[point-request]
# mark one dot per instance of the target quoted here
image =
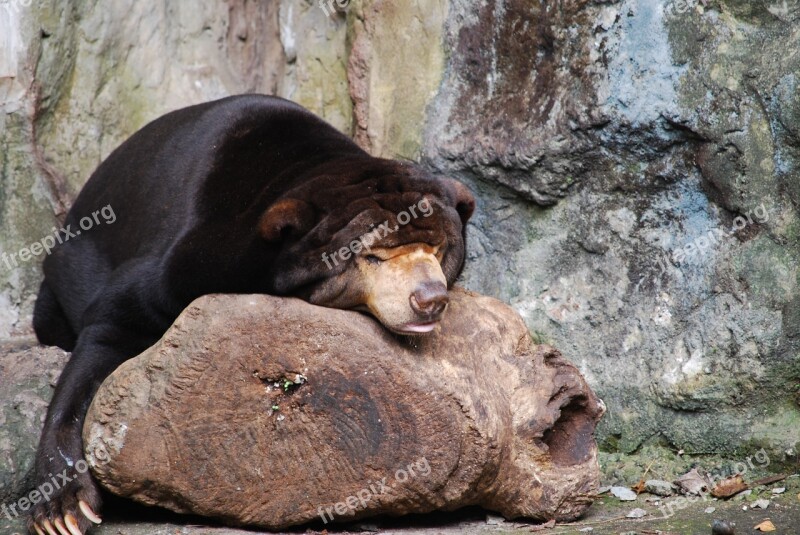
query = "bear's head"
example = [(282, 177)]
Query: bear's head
[(379, 236)]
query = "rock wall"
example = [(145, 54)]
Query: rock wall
[(636, 164)]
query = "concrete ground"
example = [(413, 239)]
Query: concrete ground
[(606, 517)]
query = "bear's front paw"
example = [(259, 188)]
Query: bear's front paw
[(69, 509)]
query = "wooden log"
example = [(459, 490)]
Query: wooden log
[(272, 412)]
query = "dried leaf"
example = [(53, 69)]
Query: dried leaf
[(766, 525), (693, 482), (728, 487)]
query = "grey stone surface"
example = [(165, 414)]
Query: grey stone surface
[(659, 487), (623, 493), (600, 137), (128, 527), (674, 515), (28, 373), (637, 175)]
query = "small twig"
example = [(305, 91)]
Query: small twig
[(768, 480), (639, 487)]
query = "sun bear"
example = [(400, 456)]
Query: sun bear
[(248, 194)]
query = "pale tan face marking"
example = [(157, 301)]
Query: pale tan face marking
[(389, 284), (403, 287)]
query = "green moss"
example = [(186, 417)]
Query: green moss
[(540, 338), (321, 76), (792, 234), (787, 374), (404, 73), (750, 11)]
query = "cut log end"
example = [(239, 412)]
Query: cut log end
[(272, 412)]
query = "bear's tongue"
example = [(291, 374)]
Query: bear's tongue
[(419, 327)]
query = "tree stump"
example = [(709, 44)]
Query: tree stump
[(271, 412)]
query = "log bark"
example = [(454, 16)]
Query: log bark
[(272, 412)]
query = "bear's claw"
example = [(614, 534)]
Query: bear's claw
[(69, 524), (48, 526), (88, 512), (62, 530), (58, 517), (72, 525)]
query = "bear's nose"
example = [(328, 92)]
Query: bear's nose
[(429, 299)]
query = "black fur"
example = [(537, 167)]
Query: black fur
[(188, 192)]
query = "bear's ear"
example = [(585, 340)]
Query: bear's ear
[(287, 217), (465, 201)]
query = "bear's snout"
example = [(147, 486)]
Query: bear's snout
[(429, 300)]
